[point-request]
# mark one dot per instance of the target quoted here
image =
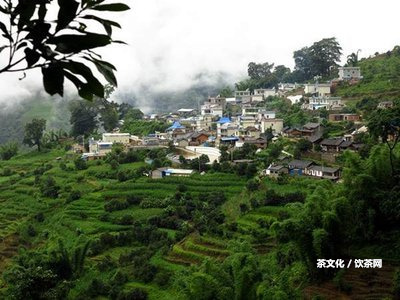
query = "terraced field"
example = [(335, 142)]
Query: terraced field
[(76, 221), (195, 248)]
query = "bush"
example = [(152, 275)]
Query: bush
[(123, 176), (80, 164), (7, 172), (136, 294), (31, 231), (7, 151), (163, 278), (252, 185), (115, 204), (49, 188), (125, 220), (133, 199), (273, 198), (74, 195), (114, 164), (39, 217)]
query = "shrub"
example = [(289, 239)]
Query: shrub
[(252, 185), (125, 220), (243, 208), (80, 178), (97, 287), (74, 195), (135, 294), (114, 164), (39, 217), (49, 188), (7, 151), (7, 172), (162, 278), (123, 176), (133, 199), (31, 231), (80, 164), (115, 204)]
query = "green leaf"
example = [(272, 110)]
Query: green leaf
[(66, 13), (53, 79), (31, 56), (107, 24), (106, 69), (83, 89), (73, 43), (92, 83), (111, 7)]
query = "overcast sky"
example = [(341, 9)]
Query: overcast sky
[(172, 40)]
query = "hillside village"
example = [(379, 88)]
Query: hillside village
[(231, 122)]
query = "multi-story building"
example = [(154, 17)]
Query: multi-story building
[(330, 103), (275, 124), (122, 138), (348, 73), (317, 89)]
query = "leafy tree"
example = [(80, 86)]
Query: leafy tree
[(126, 111), (80, 164), (386, 125), (34, 133), (304, 145), (226, 92), (258, 71), (7, 151), (282, 73), (49, 188), (83, 118), (317, 59), (61, 48), (109, 117)]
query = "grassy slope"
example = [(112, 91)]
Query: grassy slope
[(381, 80), (77, 221)]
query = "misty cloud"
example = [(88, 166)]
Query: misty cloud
[(172, 41)]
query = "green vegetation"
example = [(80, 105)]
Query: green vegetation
[(380, 79)]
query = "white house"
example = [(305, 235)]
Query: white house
[(266, 114), (330, 103), (204, 122), (321, 89), (347, 73), (265, 92), (275, 124), (122, 138)]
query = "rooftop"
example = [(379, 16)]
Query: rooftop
[(301, 164)]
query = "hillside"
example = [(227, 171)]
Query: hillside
[(381, 78), (14, 118), (171, 238)]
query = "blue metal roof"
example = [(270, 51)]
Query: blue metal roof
[(176, 125), (224, 120), (229, 138)]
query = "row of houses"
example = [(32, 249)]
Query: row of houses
[(303, 168)]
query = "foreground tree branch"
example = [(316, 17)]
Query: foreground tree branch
[(59, 47)]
